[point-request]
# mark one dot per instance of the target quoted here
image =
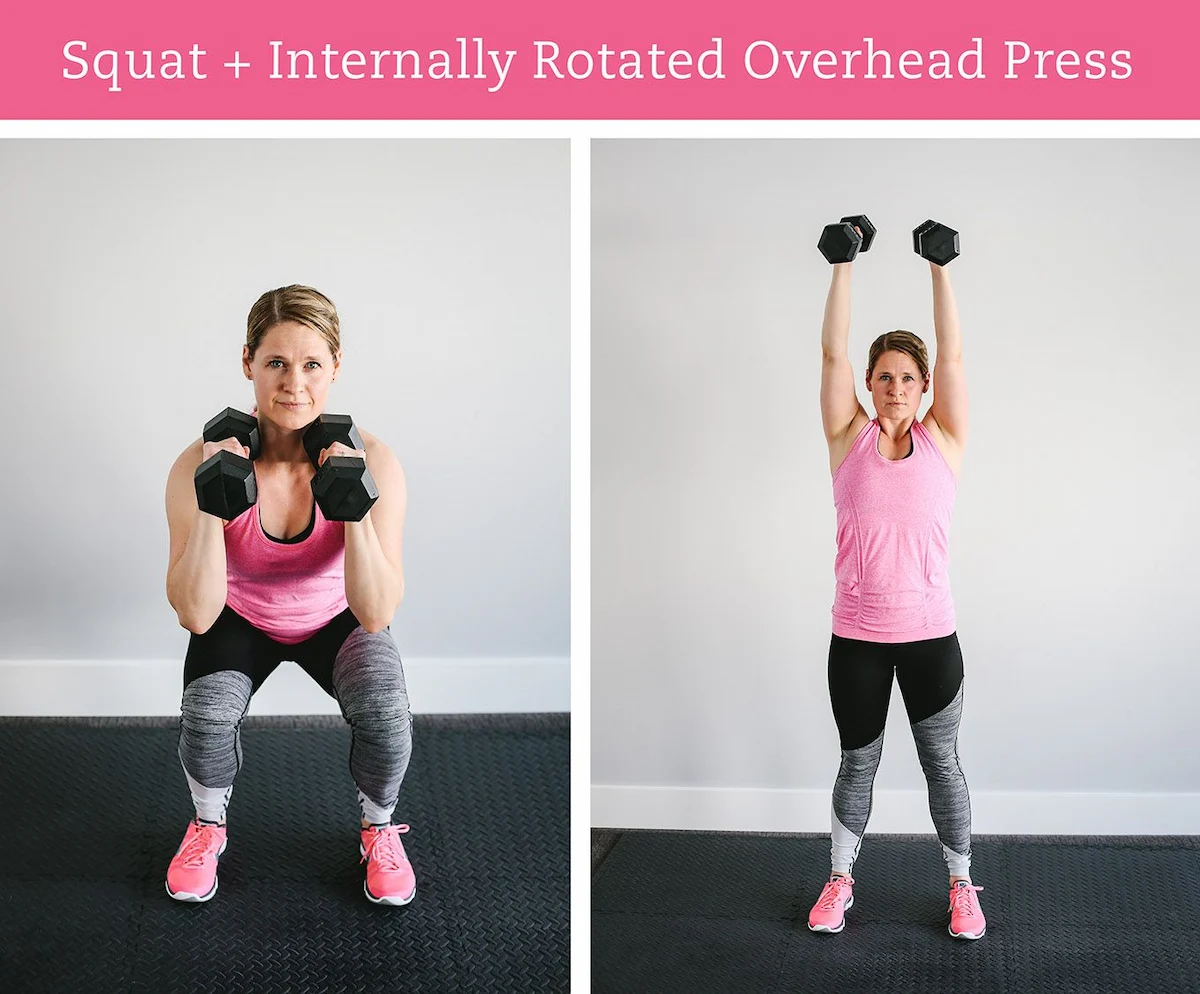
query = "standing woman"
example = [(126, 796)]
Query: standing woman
[(280, 581), (894, 484)]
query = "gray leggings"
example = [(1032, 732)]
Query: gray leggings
[(360, 670)]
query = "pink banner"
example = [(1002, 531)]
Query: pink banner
[(626, 60)]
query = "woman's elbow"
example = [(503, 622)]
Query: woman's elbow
[(374, 623), (196, 623), (196, 620)]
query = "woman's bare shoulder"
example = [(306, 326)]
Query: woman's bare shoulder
[(378, 451), (189, 458)]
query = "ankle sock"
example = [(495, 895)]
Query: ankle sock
[(372, 813), (211, 803)]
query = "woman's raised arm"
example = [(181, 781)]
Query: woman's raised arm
[(949, 409), (839, 400)]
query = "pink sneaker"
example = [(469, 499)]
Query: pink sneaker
[(966, 916), (390, 877), (192, 875), (829, 913)]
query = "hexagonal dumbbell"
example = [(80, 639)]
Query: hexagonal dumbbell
[(225, 483), (841, 243), (936, 242), (343, 485)]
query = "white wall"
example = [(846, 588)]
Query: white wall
[(127, 269), (1075, 544)]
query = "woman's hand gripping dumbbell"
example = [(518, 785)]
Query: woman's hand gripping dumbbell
[(343, 486), (225, 482)]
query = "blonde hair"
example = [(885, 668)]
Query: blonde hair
[(899, 341), (301, 304)]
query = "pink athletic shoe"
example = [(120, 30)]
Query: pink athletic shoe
[(966, 916), (192, 875), (390, 877), (829, 913)]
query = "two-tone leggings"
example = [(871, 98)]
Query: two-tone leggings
[(930, 673), (358, 669)]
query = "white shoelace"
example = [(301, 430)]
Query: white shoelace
[(385, 848)]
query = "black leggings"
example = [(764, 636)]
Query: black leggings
[(930, 673), (234, 644)]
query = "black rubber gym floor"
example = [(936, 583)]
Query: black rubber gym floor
[(704, 912), (94, 809)]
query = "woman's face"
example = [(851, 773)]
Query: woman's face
[(291, 372), (896, 386)]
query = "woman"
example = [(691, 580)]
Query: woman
[(894, 483), (282, 582)]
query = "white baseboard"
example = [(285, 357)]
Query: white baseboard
[(895, 811), (146, 687)]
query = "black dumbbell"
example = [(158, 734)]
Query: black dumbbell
[(935, 242), (841, 243), (343, 486), (225, 483)]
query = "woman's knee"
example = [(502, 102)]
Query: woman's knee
[(216, 699), (369, 679), (863, 762), (940, 764), (386, 713), (857, 772)]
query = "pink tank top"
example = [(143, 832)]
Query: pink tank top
[(290, 590), (893, 541)]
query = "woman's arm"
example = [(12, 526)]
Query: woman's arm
[(196, 566), (374, 546), (839, 401), (949, 409)]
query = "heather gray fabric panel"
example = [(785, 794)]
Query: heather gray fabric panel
[(949, 801)]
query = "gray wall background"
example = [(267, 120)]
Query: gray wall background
[(1074, 555), (127, 270)]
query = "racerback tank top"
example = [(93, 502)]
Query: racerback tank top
[(893, 541)]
